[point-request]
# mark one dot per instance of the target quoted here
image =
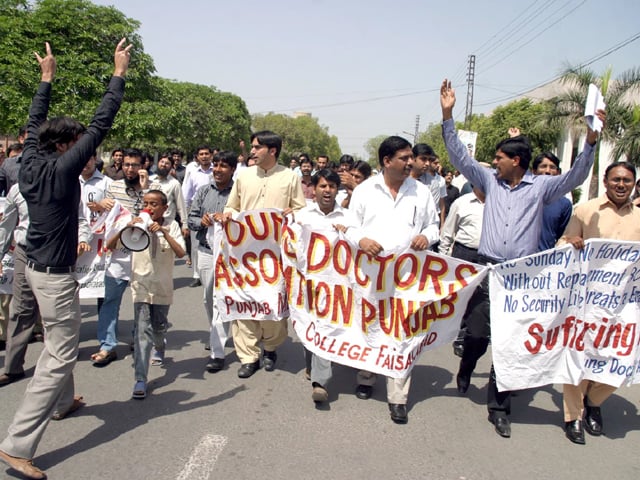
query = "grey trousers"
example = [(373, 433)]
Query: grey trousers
[(218, 330), (24, 315), (51, 388), (397, 388), (194, 253), (149, 330), (321, 371)]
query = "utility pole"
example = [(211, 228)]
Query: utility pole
[(415, 135), (471, 72)]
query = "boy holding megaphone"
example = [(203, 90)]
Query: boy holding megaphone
[(152, 283)]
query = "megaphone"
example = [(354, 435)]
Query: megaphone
[(136, 237)]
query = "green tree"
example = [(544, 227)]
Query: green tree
[(432, 136), (567, 110), (629, 142), (371, 147), (301, 134), (83, 38), (183, 115), (524, 114)]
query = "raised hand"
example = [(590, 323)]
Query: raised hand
[(47, 64), (121, 58), (447, 99)]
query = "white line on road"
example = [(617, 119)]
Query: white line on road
[(203, 458)]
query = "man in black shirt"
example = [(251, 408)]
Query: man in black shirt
[(55, 153)]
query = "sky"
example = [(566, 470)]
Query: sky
[(369, 67)]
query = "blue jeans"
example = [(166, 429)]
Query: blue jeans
[(149, 329), (110, 311)]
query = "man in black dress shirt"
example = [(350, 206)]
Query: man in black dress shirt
[(55, 153)]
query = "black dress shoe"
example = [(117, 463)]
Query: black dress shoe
[(248, 369), (269, 361), (593, 420), (7, 378), (501, 423), (363, 392), (398, 413), (574, 431), (215, 365), (196, 283), (463, 382)]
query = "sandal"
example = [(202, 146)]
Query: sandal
[(139, 390), (157, 358), (75, 406), (104, 357)]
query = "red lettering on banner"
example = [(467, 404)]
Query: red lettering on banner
[(342, 305), (380, 285), (274, 261), (343, 268), (288, 242), (287, 273), (318, 242), (322, 310), (235, 238), (369, 313), (434, 269), (362, 280), (248, 259), (574, 330), (253, 229), (386, 327), (410, 276), (222, 273)]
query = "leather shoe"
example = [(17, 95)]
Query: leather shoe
[(215, 365), (269, 361), (574, 431), (23, 465), (7, 378), (319, 394), (248, 369), (593, 420), (398, 413), (196, 283), (501, 423), (363, 392), (463, 382)]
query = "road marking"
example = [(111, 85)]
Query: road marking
[(203, 458)]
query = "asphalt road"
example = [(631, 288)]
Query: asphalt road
[(197, 426)]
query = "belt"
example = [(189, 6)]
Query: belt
[(487, 260), (464, 247), (42, 269)]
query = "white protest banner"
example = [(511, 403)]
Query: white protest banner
[(90, 267), (564, 315), (376, 314), (6, 279), (469, 139), (248, 273)]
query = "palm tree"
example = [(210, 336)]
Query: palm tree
[(621, 130), (629, 143)]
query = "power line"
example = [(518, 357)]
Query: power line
[(352, 102), (586, 63), (502, 36), (514, 27), (535, 35)]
